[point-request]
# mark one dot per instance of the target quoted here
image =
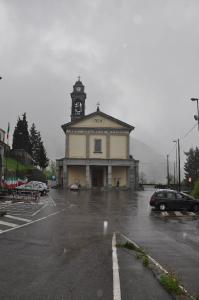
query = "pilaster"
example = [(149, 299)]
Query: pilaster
[(87, 145), (88, 177), (109, 176), (108, 146), (67, 145), (65, 175)]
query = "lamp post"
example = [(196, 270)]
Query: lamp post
[(176, 163), (168, 176), (196, 117)]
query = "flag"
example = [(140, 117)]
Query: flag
[(8, 130)]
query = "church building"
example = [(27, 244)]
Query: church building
[(96, 149)]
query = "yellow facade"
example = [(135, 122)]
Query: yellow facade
[(77, 175), (113, 146), (92, 154), (118, 147), (119, 174), (77, 146)]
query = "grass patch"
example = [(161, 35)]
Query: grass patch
[(13, 165), (140, 254), (145, 261), (171, 284), (130, 246)]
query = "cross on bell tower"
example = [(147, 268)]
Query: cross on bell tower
[(78, 100)]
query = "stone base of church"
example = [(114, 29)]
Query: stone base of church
[(98, 173)]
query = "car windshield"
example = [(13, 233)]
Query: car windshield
[(187, 196)]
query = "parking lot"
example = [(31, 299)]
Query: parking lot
[(70, 241)]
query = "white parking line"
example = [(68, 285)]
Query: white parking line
[(178, 214), (191, 213), (116, 276), (8, 224), (17, 218), (32, 222), (164, 214), (53, 202), (36, 212)]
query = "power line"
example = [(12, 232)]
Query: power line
[(183, 137), (188, 132)]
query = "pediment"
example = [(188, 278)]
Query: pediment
[(98, 120)]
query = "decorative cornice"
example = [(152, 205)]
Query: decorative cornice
[(96, 130)]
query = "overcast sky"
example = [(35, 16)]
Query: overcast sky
[(139, 59)]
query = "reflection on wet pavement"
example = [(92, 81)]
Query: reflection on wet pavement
[(172, 239)]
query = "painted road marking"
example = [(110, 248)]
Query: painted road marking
[(8, 224), (191, 214), (36, 212), (116, 276), (178, 214), (164, 214), (105, 227), (52, 201), (32, 222), (158, 265), (17, 218)]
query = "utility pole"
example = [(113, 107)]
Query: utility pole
[(176, 163), (179, 177), (168, 179), (174, 174)]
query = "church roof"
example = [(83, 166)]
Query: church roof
[(98, 113)]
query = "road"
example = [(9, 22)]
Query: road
[(63, 249)]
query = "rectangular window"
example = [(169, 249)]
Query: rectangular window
[(98, 146)]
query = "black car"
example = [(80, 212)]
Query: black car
[(173, 200)]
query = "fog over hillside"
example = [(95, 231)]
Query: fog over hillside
[(151, 163)]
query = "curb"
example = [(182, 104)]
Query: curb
[(158, 270)]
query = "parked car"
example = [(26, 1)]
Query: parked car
[(172, 200), (42, 187), (35, 185)]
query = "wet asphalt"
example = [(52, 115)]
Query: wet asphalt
[(69, 255)]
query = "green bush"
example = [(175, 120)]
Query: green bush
[(195, 191), (145, 261), (171, 284)]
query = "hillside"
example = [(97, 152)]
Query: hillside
[(152, 163)]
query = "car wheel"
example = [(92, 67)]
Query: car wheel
[(162, 207), (195, 207)]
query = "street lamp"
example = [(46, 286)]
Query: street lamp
[(175, 165), (196, 117)]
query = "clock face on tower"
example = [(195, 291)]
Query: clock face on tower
[(78, 89)]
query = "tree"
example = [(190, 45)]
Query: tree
[(191, 166), (51, 170), (38, 151), (42, 159), (35, 140), (21, 138)]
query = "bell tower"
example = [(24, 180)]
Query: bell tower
[(78, 97)]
